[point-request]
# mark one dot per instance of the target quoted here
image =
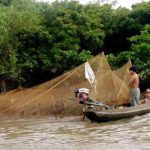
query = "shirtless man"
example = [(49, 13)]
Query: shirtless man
[(134, 85)]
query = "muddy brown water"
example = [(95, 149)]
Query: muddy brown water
[(70, 133)]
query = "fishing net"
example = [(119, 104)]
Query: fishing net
[(112, 86), (52, 97)]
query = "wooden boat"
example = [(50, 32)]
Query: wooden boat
[(116, 114)]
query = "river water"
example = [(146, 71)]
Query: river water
[(72, 134)]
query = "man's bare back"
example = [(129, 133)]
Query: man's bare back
[(134, 81)]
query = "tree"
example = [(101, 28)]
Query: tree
[(14, 19), (141, 49), (126, 23), (75, 30), (5, 2), (139, 54)]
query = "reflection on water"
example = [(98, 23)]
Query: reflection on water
[(72, 134)]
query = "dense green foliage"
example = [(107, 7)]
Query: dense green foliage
[(5, 2), (139, 54), (39, 41)]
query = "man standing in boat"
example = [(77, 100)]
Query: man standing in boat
[(134, 85)]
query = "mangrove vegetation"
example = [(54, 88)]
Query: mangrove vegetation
[(39, 40)]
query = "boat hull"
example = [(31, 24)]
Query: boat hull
[(116, 114)]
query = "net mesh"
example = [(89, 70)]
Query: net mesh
[(52, 97), (112, 86)]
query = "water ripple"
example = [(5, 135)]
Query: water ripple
[(72, 134)]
